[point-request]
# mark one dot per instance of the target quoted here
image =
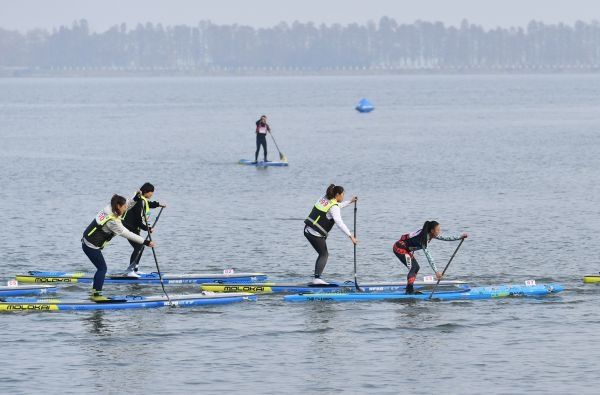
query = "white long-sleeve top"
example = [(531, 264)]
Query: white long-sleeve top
[(335, 214), (116, 227)]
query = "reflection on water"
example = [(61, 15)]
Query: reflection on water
[(96, 324)]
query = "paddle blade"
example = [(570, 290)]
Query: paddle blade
[(282, 157)]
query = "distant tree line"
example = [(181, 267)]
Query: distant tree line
[(386, 45)]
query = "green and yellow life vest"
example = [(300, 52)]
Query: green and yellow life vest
[(94, 234), (317, 219)]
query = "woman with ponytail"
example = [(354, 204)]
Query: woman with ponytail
[(325, 214), (100, 231), (135, 220), (419, 240)]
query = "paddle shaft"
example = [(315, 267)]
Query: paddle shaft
[(355, 279), (281, 156), (446, 268), (141, 251), (275, 142), (149, 237)]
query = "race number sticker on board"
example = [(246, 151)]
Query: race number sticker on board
[(228, 271), (428, 279), (13, 283), (530, 283)]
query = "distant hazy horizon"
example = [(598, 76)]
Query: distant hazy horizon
[(32, 14)]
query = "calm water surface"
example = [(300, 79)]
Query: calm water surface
[(513, 160)]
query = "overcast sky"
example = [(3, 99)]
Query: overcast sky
[(101, 14)]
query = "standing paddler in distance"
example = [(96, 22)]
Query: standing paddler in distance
[(419, 240), (134, 221), (325, 213), (262, 128), (99, 232)]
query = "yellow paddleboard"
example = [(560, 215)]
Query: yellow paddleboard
[(592, 279)]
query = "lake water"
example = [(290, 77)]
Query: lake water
[(513, 160)]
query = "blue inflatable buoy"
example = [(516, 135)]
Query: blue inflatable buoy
[(365, 105)]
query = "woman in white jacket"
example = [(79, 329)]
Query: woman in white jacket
[(326, 213), (100, 231)]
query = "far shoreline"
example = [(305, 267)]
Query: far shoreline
[(16, 73)]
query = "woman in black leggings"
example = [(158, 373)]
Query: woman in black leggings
[(419, 240), (326, 213), (105, 225), (262, 128)]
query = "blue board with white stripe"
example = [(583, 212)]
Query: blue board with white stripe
[(470, 294), (122, 302), (18, 290), (337, 287), (249, 162), (55, 277)]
